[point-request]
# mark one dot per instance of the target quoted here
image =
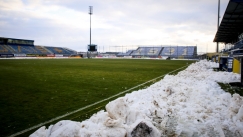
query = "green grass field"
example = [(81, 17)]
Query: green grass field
[(231, 89), (36, 90)]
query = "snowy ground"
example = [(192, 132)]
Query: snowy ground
[(190, 103)]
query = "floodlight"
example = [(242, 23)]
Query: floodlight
[(90, 12)]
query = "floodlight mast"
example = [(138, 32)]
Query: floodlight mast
[(90, 12)]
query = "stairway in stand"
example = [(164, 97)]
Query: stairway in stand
[(43, 50)]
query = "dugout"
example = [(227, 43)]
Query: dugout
[(226, 63), (238, 63), (237, 60), (230, 31), (215, 58)]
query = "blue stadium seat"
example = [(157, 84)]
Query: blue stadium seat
[(147, 51), (22, 49), (42, 50), (238, 45), (31, 49), (176, 51), (125, 54), (59, 50), (4, 49)]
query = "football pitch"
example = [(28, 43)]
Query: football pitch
[(36, 90)]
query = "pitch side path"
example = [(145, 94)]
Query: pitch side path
[(34, 91)]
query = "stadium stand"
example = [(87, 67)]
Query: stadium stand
[(4, 50), (238, 45), (70, 50), (128, 53), (24, 49), (59, 50), (187, 52), (43, 50), (230, 32), (147, 51), (18, 47), (179, 51)]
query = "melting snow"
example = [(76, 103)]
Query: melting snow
[(190, 103)]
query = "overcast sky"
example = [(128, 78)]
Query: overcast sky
[(125, 23)]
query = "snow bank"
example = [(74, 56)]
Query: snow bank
[(190, 103)]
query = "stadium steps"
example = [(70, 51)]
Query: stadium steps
[(67, 51), (3, 49), (10, 49), (42, 49), (19, 49), (58, 50), (34, 50), (70, 50), (26, 50), (161, 51)]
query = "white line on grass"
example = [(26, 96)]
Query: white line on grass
[(75, 111)]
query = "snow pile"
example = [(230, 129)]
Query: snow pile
[(190, 103)]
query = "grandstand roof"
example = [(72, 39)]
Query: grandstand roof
[(16, 41), (231, 25)]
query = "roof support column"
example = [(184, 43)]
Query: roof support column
[(217, 46)]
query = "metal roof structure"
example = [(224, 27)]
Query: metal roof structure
[(231, 25), (16, 41)]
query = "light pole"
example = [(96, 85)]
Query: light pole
[(90, 12)]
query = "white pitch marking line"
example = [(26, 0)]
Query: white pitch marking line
[(67, 114)]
